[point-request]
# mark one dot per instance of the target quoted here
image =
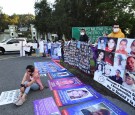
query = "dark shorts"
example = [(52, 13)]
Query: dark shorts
[(49, 51)]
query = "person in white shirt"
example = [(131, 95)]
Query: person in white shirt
[(41, 46)]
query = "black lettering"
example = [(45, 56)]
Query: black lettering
[(134, 98), (108, 87), (131, 102), (113, 89), (133, 94)]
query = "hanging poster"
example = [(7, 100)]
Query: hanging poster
[(56, 50), (75, 95), (100, 106), (115, 67)]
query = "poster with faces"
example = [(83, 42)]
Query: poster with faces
[(100, 106), (115, 67)]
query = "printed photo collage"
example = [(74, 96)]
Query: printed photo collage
[(78, 55), (116, 60)]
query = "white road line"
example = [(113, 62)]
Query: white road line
[(9, 58)]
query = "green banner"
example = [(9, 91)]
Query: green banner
[(93, 32)]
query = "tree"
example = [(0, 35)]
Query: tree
[(66, 14), (43, 17)]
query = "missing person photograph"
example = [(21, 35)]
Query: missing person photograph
[(129, 81), (120, 61), (100, 56), (130, 64), (79, 93), (109, 58), (98, 109), (102, 43), (122, 46), (111, 45)]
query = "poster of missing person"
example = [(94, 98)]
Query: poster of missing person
[(8, 97), (62, 74), (56, 51), (56, 84), (45, 67), (100, 106), (75, 95), (115, 67)]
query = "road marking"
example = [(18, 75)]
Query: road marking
[(9, 58)]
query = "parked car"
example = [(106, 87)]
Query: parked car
[(12, 44)]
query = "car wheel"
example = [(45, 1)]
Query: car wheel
[(2, 51)]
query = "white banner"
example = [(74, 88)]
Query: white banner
[(8, 97), (115, 66)]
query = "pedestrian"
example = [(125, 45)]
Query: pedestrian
[(117, 33)]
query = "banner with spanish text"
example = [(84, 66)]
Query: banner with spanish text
[(100, 106), (62, 74), (56, 84), (75, 95), (46, 106), (115, 66)]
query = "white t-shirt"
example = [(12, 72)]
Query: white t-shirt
[(49, 45)]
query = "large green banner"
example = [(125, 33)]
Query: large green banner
[(93, 32)]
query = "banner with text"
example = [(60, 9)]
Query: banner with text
[(45, 67), (97, 107), (56, 84), (46, 106), (62, 74), (75, 95), (115, 66), (93, 32), (8, 97)]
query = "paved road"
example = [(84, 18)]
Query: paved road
[(11, 73)]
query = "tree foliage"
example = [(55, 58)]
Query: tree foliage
[(66, 14), (19, 20), (43, 17)]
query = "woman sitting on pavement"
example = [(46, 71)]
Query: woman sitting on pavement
[(31, 80)]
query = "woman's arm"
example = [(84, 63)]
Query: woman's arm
[(30, 83), (24, 78)]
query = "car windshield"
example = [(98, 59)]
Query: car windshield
[(4, 41)]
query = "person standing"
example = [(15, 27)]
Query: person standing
[(62, 49), (37, 49), (83, 36), (117, 33), (41, 46)]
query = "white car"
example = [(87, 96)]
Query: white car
[(12, 44)]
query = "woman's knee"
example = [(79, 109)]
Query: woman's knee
[(35, 86)]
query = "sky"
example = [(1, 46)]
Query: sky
[(19, 6)]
